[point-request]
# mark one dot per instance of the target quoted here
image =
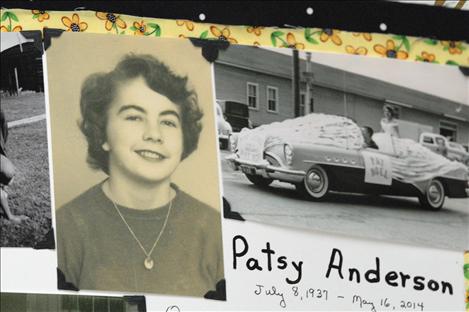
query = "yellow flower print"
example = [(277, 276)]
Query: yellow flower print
[(358, 51), (454, 47), (223, 34), (332, 34), (139, 29), (291, 42), (256, 30), (189, 24), (15, 29), (74, 24), (256, 43), (40, 15), (426, 57), (390, 50), (366, 36), (112, 20)]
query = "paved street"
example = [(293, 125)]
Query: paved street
[(397, 219)]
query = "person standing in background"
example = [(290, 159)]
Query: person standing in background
[(7, 172), (389, 124)]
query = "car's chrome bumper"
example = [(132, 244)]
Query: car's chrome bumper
[(265, 169), (223, 137)]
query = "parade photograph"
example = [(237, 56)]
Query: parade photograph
[(29, 302), (373, 148), (135, 166), (24, 175)]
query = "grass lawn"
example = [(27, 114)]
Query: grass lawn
[(29, 193), (23, 106)]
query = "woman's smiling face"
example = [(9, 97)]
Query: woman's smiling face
[(144, 135)]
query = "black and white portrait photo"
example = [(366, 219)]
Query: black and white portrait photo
[(24, 172), (135, 165)]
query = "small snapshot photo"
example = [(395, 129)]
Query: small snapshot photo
[(28, 302), (367, 147), (24, 172), (135, 164)]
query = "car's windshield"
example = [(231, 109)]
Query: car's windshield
[(440, 141), (456, 146), (427, 139), (237, 109)]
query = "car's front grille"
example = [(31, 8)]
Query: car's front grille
[(272, 161)]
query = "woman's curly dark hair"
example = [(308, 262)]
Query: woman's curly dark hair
[(99, 89)]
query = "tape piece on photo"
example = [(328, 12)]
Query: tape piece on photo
[(48, 241), (210, 48), (35, 35), (219, 293), (62, 283), (230, 214), (50, 33)]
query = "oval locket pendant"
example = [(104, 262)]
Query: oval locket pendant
[(148, 263)]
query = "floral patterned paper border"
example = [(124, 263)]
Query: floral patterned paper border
[(466, 277), (311, 39)]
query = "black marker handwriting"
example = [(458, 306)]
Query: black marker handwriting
[(273, 291), (364, 302), (173, 308)]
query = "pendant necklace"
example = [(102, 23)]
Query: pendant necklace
[(148, 263)]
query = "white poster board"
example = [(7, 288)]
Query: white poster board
[(378, 168)]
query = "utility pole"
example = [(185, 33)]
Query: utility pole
[(309, 84), (296, 82)]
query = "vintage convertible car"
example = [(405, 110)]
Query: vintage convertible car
[(318, 153)]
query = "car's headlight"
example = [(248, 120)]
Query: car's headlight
[(288, 150)]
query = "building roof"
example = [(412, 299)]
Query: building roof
[(10, 39), (280, 65)]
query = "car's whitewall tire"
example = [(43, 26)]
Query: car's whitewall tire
[(434, 196), (315, 184)]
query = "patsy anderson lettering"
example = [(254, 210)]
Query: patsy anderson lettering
[(391, 278), (335, 267), (241, 248)]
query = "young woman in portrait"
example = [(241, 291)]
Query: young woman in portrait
[(136, 230)]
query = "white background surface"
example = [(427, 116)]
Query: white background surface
[(34, 271)]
